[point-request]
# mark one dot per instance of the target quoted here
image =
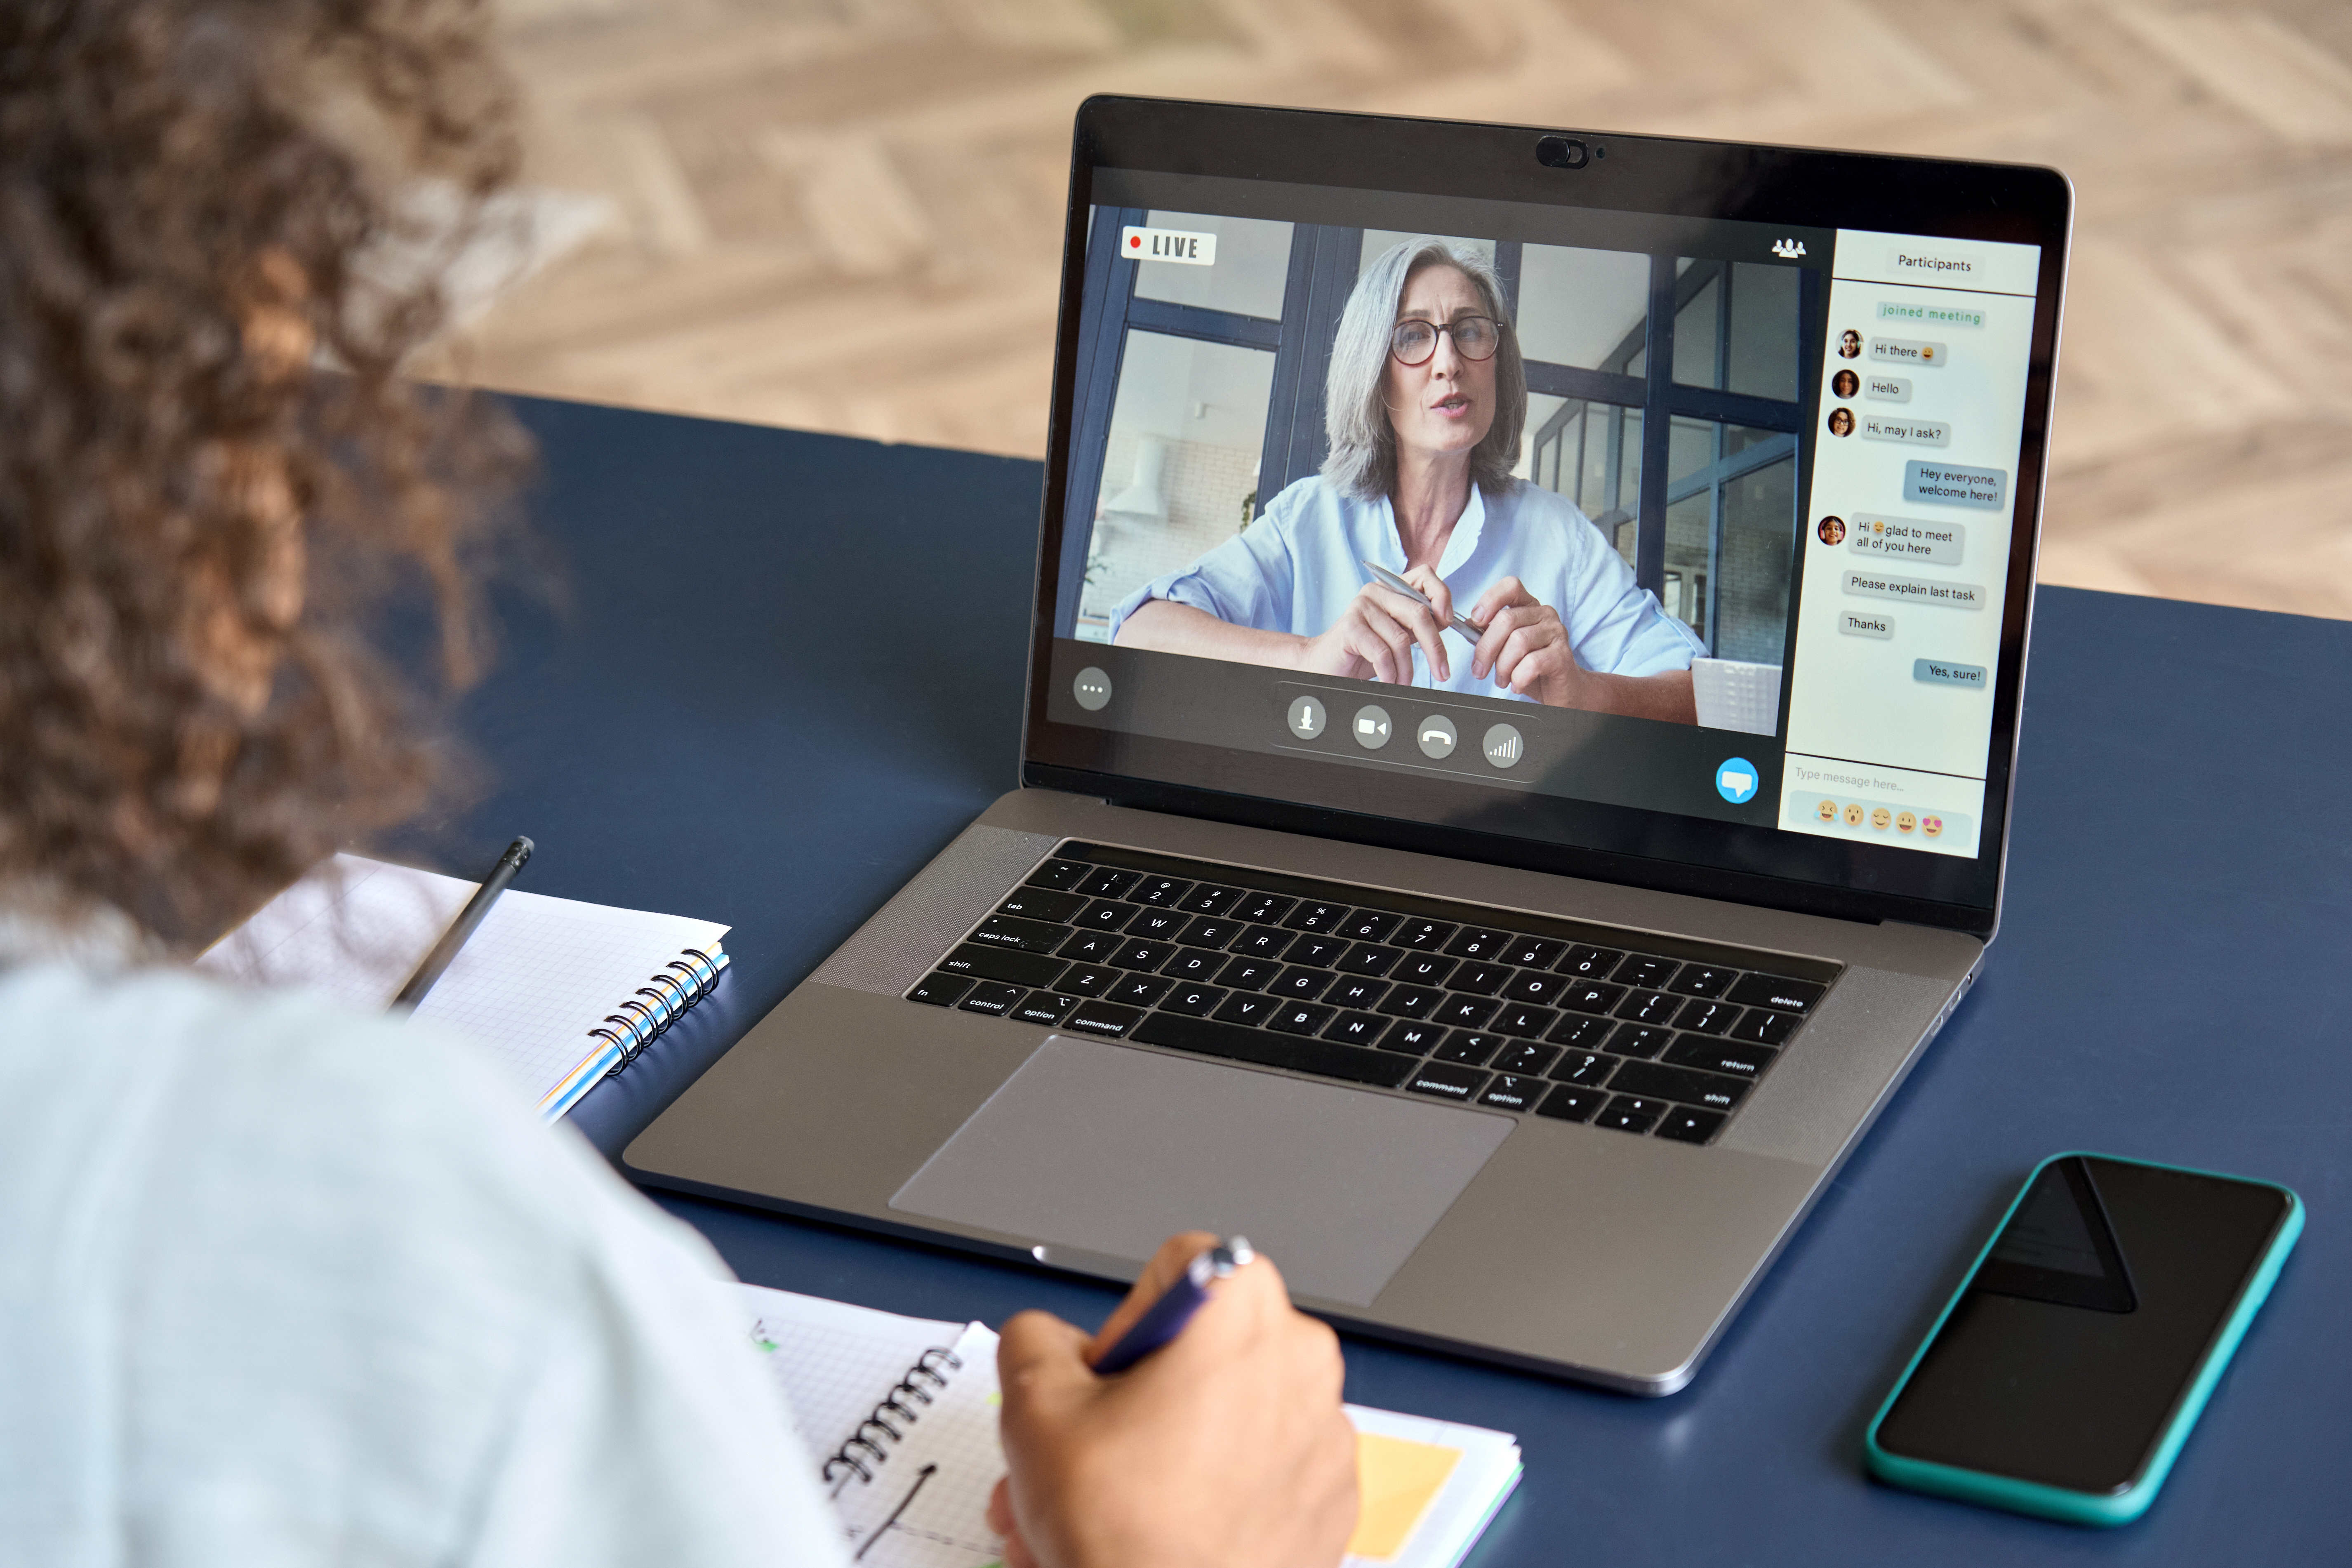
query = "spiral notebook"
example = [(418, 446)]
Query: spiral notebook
[(561, 993), (899, 1416)]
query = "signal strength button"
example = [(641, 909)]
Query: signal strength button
[(1503, 746)]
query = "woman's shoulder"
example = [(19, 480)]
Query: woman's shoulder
[(1314, 500)]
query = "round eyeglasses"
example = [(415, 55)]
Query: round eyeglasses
[(1474, 338)]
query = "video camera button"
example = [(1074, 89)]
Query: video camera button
[(1373, 727)]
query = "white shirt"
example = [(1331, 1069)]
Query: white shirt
[(283, 1284), (1296, 568)]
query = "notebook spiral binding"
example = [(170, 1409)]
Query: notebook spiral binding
[(869, 1445), (684, 981)]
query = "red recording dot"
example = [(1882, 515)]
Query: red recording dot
[(1135, 242)]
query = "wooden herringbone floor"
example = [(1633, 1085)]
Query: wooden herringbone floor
[(844, 215)]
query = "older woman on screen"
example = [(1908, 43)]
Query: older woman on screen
[(1425, 401)]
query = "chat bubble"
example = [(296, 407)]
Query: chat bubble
[(1909, 351), (1866, 623), (1886, 388), (1943, 672), (1929, 315), (1886, 585), (1953, 485), (1908, 538), (1910, 432)]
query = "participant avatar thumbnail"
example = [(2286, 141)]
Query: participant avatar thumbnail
[(1831, 530), (1841, 421), (1848, 344), (1845, 383)]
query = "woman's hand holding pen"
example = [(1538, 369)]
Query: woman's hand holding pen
[(1227, 1447), (1374, 638), (1525, 648)]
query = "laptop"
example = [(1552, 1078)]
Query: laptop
[(1513, 954)]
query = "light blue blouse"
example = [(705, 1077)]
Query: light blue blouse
[(1296, 568)]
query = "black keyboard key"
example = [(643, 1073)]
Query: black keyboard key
[(1140, 990), (1447, 1081), (1212, 932), (1104, 1018), (939, 990), (1772, 990), (1105, 914), (1721, 1056), (1046, 1007), (1316, 917), (1370, 958), (1571, 1103), (1041, 904), (1589, 962), (1159, 925), (1630, 1113), (1510, 1092), (1469, 1048), (1208, 898), (990, 997), (1702, 980), (1589, 996), (1192, 963), (1194, 1000), (1536, 987), (1580, 1033), (1314, 949), (1413, 1037), (1248, 973), (1108, 882), (1644, 973), (1300, 1017), (1261, 941), (1299, 984), (1090, 946), (1369, 925), (1412, 1001), (1649, 1007), (1528, 1022), (1705, 1016), (1357, 1028), (1424, 936), (1262, 908), (1475, 942), (1525, 1058), (1464, 1011), (1061, 874), (1684, 1125), (1351, 992), (1639, 1040), (1533, 951), (1764, 1026), (1249, 1008), (1207, 1038), (1023, 936), (1159, 892), (1480, 979), (1589, 1068), (1423, 969), (1004, 963), (1089, 979), (1686, 1086), (1143, 955)]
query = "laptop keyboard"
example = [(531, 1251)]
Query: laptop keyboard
[(1499, 1009)]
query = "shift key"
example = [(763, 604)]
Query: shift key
[(1004, 963)]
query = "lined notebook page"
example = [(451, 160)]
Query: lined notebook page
[(536, 975)]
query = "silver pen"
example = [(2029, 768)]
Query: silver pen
[(1389, 579)]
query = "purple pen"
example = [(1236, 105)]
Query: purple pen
[(1166, 1318)]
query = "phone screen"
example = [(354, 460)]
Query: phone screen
[(2074, 1341)]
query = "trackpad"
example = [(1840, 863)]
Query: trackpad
[(1107, 1150)]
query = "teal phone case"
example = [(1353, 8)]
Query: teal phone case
[(2060, 1502)]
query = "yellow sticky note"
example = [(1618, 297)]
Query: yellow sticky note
[(1397, 1480)]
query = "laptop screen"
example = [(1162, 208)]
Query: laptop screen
[(1687, 535)]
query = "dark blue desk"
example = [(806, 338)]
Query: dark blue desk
[(793, 672)]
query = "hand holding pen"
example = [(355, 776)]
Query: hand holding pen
[(1227, 1444)]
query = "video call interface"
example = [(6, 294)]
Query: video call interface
[(1738, 499)]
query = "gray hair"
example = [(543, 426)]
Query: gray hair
[(1363, 460)]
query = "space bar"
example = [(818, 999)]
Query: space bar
[(1209, 1038)]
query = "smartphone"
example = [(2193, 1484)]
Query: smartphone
[(2063, 1376)]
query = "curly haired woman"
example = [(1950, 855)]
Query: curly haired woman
[(267, 1302)]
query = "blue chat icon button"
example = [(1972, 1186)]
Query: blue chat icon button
[(1735, 781)]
